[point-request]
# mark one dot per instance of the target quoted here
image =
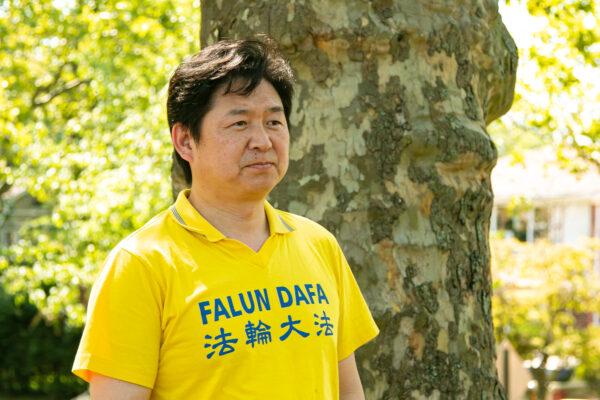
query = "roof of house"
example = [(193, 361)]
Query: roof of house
[(541, 179), (14, 192)]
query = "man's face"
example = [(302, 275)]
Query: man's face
[(243, 149)]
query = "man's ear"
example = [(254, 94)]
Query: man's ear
[(182, 141)]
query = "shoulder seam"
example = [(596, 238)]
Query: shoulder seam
[(147, 266), (136, 256)]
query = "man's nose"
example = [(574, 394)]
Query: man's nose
[(260, 138)]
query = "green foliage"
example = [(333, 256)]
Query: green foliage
[(83, 130), (539, 289), (32, 349), (557, 96), (590, 355)]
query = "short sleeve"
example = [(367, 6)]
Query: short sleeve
[(121, 338), (356, 324)]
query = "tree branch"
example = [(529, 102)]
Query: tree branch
[(45, 94), (49, 96)]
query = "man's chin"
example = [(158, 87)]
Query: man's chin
[(258, 190)]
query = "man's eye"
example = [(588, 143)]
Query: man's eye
[(274, 122), (240, 124)]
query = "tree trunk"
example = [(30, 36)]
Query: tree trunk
[(389, 151), (539, 374)]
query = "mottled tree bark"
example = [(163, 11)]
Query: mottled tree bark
[(390, 151)]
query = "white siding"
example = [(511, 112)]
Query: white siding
[(556, 224), (577, 223)]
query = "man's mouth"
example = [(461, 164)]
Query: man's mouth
[(261, 165)]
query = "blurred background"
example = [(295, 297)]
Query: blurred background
[(83, 134), (546, 219)]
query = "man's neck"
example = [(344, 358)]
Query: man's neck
[(245, 221)]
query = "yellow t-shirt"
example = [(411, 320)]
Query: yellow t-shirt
[(182, 309)]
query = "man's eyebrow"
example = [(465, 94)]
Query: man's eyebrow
[(238, 111), (276, 109)]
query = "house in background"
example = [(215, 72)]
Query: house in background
[(565, 206), (18, 207), (511, 371), (559, 206)]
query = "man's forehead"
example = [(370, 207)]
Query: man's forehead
[(237, 101)]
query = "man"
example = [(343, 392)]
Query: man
[(222, 296)]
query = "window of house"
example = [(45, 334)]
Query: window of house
[(522, 224), (541, 225)]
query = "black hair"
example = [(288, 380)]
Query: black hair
[(197, 78)]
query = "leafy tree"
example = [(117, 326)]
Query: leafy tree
[(539, 289), (557, 96), (83, 130)]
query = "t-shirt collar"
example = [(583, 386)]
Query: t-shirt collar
[(188, 217)]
